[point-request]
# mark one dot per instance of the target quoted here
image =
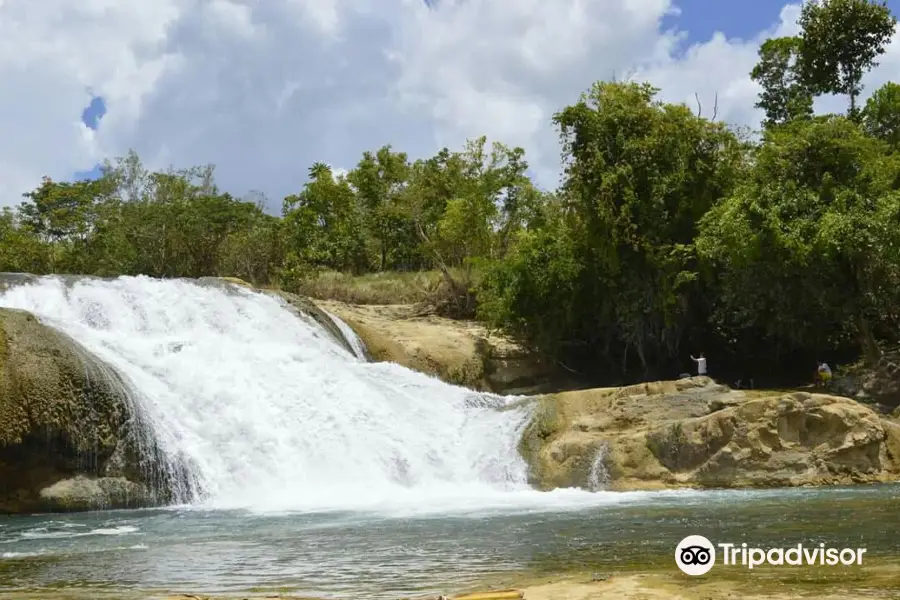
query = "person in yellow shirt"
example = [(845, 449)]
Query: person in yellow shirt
[(824, 375)]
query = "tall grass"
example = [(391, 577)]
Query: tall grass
[(409, 287)]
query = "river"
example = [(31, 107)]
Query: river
[(412, 550)]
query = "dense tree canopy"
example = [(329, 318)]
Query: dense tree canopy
[(640, 175), (670, 234)]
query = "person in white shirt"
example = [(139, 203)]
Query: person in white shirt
[(701, 364)]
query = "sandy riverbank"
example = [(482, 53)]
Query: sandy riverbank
[(879, 579), (773, 583)]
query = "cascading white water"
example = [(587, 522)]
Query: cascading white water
[(598, 475), (359, 349), (268, 411)]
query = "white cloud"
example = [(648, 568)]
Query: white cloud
[(264, 88)]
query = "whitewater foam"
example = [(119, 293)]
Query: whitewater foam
[(269, 412), (359, 349), (40, 533), (19, 554)]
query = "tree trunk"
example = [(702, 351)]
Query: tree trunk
[(458, 291), (864, 336), (871, 351)]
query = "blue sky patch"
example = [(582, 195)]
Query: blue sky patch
[(741, 19), (83, 175), (91, 116), (93, 112)]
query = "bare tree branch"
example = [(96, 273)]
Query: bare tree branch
[(628, 76), (700, 106)]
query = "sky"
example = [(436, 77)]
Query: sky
[(264, 88)]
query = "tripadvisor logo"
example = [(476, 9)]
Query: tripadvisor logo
[(696, 555)]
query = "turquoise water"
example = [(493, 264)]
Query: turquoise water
[(389, 554)]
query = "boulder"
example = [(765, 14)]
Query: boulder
[(65, 414), (695, 433), (82, 493)]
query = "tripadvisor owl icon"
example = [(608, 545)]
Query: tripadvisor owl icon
[(695, 555)]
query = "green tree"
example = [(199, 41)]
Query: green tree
[(433, 183), (323, 224), (487, 207), (20, 250), (172, 223), (379, 180), (840, 41), (538, 292), (176, 225), (807, 247), (63, 215), (253, 250), (881, 115), (784, 97)]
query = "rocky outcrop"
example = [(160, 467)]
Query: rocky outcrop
[(459, 352), (64, 415), (695, 433), (872, 384)]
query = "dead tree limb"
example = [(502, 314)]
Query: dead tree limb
[(700, 106), (458, 292)]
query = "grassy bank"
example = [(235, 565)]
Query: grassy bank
[(392, 287)]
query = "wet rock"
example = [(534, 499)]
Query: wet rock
[(82, 493), (63, 413)]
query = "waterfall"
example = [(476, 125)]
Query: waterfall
[(359, 349), (266, 411), (598, 476)]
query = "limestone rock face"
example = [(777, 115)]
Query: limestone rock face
[(457, 352), (63, 413), (694, 433)]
